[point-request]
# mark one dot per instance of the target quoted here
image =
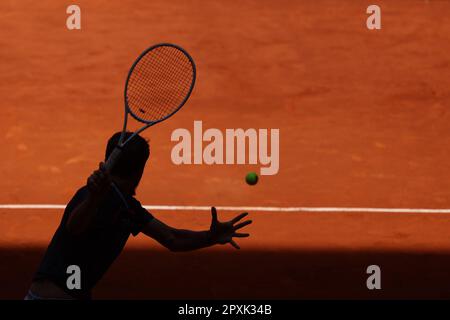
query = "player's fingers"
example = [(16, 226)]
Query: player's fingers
[(239, 217), (242, 224), (214, 214), (100, 175), (97, 181), (103, 183), (241, 235), (96, 173), (102, 166), (90, 180), (93, 185), (104, 176), (89, 185), (234, 244), (106, 172), (107, 178), (96, 178)]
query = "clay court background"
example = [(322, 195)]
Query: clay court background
[(363, 118)]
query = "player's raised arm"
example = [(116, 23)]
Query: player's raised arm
[(98, 185), (186, 240)]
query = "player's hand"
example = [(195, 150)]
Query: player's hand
[(224, 232), (99, 181)]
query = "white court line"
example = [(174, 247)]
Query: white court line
[(262, 209)]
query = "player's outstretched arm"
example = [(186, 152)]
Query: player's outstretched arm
[(186, 240), (81, 217), (224, 232)]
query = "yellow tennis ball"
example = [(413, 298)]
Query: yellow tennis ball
[(251, 178)]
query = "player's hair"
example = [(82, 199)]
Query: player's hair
[(133, 157)]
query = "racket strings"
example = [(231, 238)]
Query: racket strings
[(168, 81), (161, 99), (159, 83), (162, 94)]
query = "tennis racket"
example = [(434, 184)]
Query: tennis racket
[(158, 84)]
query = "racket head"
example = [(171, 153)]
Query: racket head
[(159, 83)]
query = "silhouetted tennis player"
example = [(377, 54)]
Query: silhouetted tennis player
[(99, 219)]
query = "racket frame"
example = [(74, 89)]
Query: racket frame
[(128, 109), (113, 157)]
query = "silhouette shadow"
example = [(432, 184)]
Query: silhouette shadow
[(249, 274)]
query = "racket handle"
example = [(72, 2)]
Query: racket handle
[(120, 195), (113, 158)]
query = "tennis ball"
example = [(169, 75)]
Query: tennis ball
[(251, 178)]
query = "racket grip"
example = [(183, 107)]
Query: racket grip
[(112, 159)]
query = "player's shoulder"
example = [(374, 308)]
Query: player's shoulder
[(81, 193), (138, 207), (135, 202)]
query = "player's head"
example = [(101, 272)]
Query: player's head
[(131, 162)]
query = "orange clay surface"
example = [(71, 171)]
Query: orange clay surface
[(364, 121)]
